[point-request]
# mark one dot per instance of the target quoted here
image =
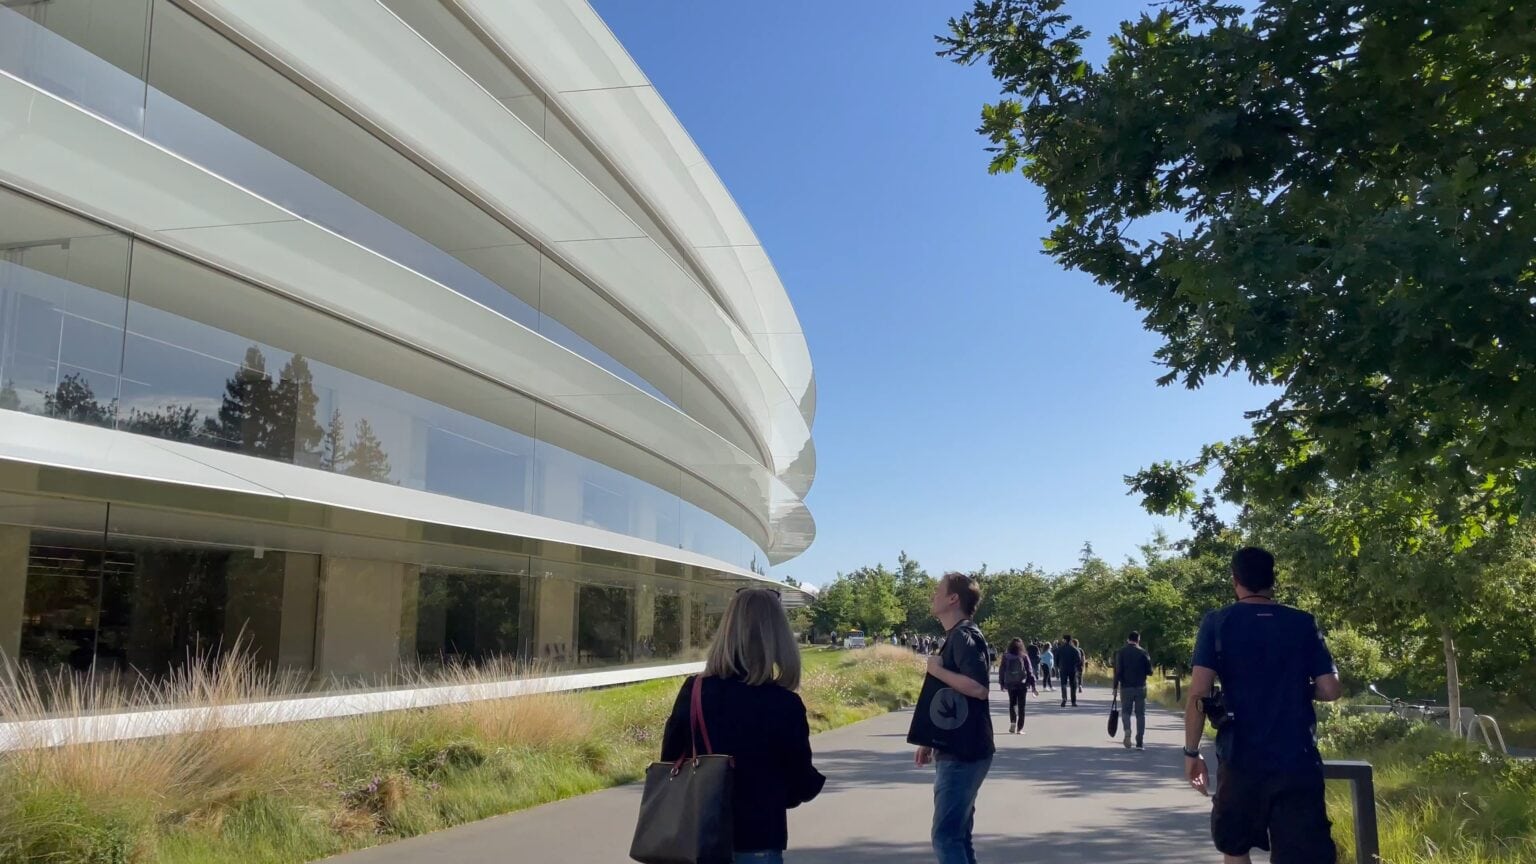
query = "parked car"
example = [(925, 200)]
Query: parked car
[(855, 639)]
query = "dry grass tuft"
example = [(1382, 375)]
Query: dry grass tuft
[(540, 721)]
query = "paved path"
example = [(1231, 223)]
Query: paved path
[(1062, 792)]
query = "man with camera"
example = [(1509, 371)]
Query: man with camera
[(1273, 664)]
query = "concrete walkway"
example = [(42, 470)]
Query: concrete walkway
[(1062, 792)]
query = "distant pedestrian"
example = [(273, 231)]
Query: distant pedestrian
[(1132, 668), (1033, 650), (1015, 675), (753, 715), (1069, 662), (1047, 664), (954, 728)]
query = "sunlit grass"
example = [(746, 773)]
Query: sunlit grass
[(292, 792)]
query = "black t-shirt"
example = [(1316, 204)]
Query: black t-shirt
[(1270, 656), (965, 651)]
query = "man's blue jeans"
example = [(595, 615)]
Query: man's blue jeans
[(767, 856), (1133, 703), (955, 785)]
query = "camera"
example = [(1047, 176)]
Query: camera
[(1214, 707)]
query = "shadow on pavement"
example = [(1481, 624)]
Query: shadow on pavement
[(1157, 834)]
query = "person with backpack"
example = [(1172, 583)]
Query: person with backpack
[(1016, 677), (1047, 663)]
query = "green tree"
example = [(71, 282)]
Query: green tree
[(333, 445), (296, 435), (365, 455), (73, 399), (241, 424), (1334, 199), (914, 591), (172, 422)]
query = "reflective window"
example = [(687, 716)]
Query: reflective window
[(468, 617), (89, 52), (216, 362), (62, 287), (604, 625)]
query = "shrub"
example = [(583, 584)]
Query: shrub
[(1359, 658), (1349, 734)]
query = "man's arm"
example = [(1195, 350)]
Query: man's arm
[(1194, 728), (960, 683), (1116, 666)]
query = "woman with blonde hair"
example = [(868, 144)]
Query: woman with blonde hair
[(753, 714)]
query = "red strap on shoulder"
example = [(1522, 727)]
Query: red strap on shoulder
[(696, 725)]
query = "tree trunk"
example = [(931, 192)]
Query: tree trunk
[(1452, 680)]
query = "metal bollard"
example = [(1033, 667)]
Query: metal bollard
[(1362, 786)]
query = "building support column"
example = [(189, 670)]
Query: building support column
[(14, 545)]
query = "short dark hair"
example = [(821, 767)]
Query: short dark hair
[(1066, 637), (1135, 636), (1254, 568), (964, 587)]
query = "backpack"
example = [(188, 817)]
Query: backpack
[(1014, 671)]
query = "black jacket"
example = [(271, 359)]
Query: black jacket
[(1133, 666), (765, 729)]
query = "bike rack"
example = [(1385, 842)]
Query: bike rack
[(1480, 725), (1362, 787)]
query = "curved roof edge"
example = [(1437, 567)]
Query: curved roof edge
[(371, 65), (570, 54), (115, 177)]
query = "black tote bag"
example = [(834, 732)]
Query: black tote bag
[(685, 812), (1114, 716)]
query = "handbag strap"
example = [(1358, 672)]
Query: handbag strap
[(696, 725)]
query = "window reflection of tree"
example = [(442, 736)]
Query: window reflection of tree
[(258, 416), (604, 624), (469, 617), (669, 625)]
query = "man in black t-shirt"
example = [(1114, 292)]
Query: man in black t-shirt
[(957, 708), (1133, 666), (1273, 664)]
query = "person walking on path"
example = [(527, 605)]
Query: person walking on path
[(1069, 663), (753, 715), (963, 679), (1273, 664), (1033, 650), (1133, 665), (1047, 663), (1016, 677)]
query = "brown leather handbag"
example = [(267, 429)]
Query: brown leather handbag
[(686, 813)]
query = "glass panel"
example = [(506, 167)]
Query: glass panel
[(470, 617), (62, 284), (63, 593), (89, 52), (605, 624), (668, 638)]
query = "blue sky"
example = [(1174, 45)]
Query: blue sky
[(977, 403)]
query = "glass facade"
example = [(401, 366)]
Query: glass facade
[(98, 328), (72, 598), (101, 328)]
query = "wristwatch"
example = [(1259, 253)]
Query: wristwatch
[(1192, 754)]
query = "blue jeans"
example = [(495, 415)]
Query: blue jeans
[(767, 856), (955, 785)]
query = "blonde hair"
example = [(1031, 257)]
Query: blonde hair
[(754, 642)]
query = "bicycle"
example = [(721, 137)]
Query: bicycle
[(1424, 711)]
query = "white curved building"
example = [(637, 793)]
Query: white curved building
[(371, 332)]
